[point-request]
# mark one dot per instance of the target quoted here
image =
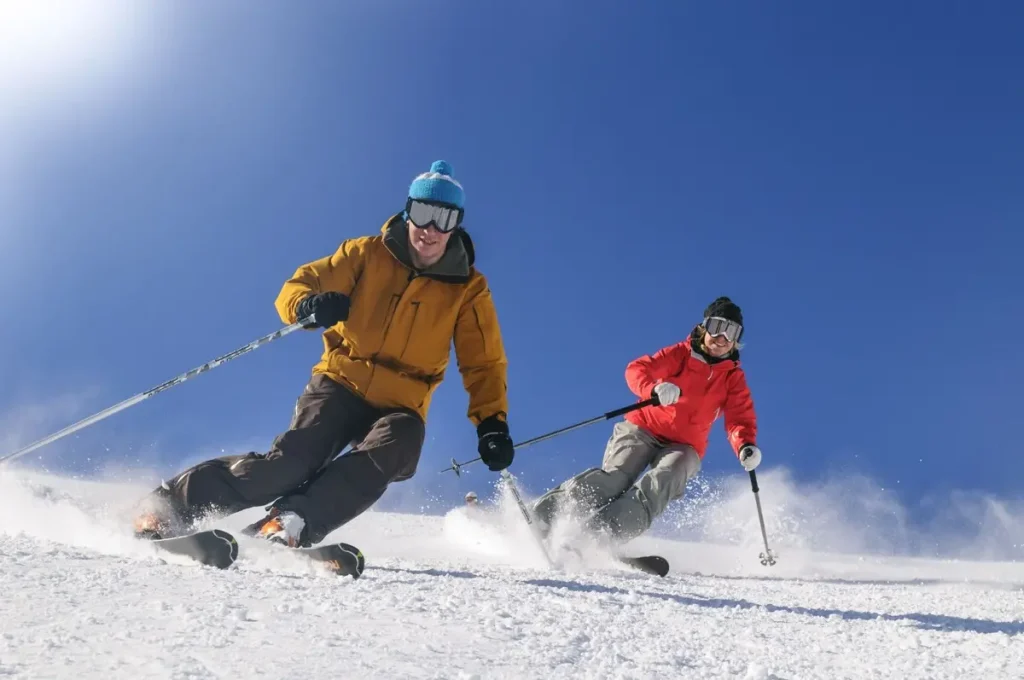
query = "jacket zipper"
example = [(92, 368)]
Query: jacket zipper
[(387, 328)]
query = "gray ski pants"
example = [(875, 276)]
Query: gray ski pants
[(301, 472), (619, 497)]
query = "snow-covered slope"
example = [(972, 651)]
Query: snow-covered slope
[(451, 597)]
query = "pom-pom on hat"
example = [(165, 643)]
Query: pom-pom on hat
[(438, 185)]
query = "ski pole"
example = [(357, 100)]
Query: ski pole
[(767, 558), (511, 482), (131, 401), (653, 401)]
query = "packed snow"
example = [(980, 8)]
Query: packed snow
[(467, 595)]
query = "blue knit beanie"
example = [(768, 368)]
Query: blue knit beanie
[(438, 185)]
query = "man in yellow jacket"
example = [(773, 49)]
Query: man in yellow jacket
[(392, 305)]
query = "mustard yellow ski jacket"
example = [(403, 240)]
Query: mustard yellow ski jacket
[(394, 347)]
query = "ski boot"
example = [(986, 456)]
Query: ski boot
[(287, 528), (156, 517)]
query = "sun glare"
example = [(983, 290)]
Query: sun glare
[(53, 48), (60, 61)]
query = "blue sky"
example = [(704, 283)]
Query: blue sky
[(850, 175)]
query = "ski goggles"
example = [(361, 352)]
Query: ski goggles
[(445, 218), (717, 326)]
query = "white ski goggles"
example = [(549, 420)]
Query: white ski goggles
[(717, 326), (445, 218)]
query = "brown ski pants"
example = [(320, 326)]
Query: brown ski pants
[(302, 471)]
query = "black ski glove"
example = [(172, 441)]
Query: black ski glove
[(328, 309), (496, 449)]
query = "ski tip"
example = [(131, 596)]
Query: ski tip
[(358, 560), (228, 538), (343, 559), (211, 547), (655, 565)]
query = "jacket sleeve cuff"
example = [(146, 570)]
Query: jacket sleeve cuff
[(492, 425), (645, 388)]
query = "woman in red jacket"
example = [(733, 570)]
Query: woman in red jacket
[(694, 381)]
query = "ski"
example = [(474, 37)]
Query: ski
[(649, 564), (341, 558), (212, 547)]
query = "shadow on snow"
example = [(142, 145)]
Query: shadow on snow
[(935, 622)]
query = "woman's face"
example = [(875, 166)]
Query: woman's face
[(717, 346)]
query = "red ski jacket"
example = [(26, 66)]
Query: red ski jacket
[(709, 387)]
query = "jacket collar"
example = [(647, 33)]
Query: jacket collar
[(455, 266)]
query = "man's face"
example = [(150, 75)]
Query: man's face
[(428, 244)]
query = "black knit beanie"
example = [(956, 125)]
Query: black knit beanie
[(725, 308)]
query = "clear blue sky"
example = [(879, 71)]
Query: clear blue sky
[(850, 175)]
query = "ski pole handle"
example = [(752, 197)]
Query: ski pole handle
[(753, 482), (653, 401)]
